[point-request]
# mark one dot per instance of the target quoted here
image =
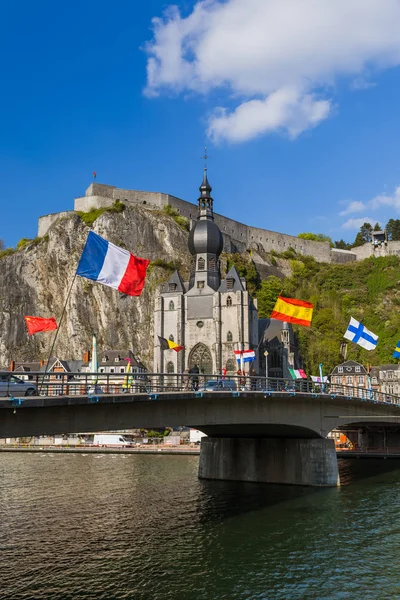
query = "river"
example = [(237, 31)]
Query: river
[(132, 527)]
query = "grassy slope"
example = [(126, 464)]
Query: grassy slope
[(367, 290)]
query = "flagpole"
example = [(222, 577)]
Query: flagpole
[(57, 330)]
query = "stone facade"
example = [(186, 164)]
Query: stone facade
[(211, 317), (349, 374), (386, 379)]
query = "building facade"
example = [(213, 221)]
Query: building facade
[(211, 316), (349, 374)]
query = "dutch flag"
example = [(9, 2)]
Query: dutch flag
[(248, 355), (110, 265)]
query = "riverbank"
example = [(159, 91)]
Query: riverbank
[(98, 450)]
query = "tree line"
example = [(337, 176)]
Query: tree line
[(363, 236)]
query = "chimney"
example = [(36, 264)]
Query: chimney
[(86, 356), (12, 365), (42, 363)]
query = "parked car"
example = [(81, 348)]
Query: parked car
[(10, 385), (218, 385)]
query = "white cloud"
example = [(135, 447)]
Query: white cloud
[(353, 207), (380, 201), (271, 57), (284, 109), (356, 223), (385, 200)]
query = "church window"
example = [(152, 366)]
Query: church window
[(200, 285), (171, 306), (201, 356), (171, 338), (201, 263), (170, 367), (230, 365), (229, 301), (229, 336), (171, 287), (229, 283), (212, 264)]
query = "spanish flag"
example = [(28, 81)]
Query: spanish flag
[(168, 345), (293, 311), (36, 324)]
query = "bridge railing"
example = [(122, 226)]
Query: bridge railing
[(94, 384)]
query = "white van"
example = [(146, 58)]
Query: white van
[(110, 440), (195, 436)]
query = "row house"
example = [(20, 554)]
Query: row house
[(114, 363), (386, 379), (349, 374)]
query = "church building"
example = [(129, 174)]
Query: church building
[(210, 316)]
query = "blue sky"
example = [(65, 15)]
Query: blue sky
[(298, 108)]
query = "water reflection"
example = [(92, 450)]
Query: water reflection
[(145, 528)]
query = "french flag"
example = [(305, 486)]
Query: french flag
[(106, 263)]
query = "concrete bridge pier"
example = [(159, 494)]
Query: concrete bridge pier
[(270, 460)]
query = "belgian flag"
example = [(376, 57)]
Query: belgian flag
[(168, 345)]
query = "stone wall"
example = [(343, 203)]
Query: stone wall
[(44, 223), (237, 236)]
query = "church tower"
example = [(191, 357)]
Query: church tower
[(209, 316), (205, 243)]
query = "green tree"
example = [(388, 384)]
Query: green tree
[(342, 245), (267, 295), (393, 229), (377, 227), (1, 245), (364, 235)]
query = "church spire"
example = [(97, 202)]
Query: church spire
[(205, 200), (205, 243)]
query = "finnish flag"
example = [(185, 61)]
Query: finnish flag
[(357, 333)]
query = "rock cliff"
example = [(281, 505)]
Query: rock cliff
[(36, 279)]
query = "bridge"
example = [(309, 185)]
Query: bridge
[(264, 430)]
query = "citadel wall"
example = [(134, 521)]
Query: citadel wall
[(237, 236)]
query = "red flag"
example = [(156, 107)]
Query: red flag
[(94, 174), (35, 324)]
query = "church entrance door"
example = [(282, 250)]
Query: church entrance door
[(201, 355)]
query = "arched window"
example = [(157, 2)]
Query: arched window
[(171, 338), (201, 356), (229, 336), (231, 365), (201, 264), (171, 306), (170, 367), (229, 301)]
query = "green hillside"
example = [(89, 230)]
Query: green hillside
[(368, 290)]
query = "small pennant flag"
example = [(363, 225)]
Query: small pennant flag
[(291, 310), (169, 345), (358, 334), (36, 324), (396, 353)]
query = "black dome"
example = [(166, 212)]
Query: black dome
[(205, 238)]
